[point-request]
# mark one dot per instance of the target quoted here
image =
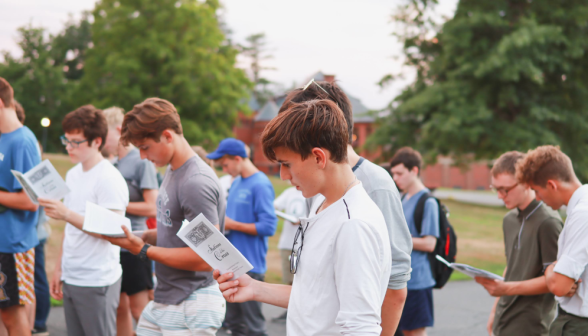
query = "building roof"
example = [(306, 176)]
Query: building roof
[(271, 108)]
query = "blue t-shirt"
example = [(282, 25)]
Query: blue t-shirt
[(251, 200), (18, 151), (421, 277)]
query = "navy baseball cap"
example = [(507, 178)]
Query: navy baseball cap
[(229, 146)]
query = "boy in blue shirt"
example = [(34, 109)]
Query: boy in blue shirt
[(418, 309), (251, 219), (18, 217)]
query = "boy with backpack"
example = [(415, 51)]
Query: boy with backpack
[(523, 304), (418, 309)]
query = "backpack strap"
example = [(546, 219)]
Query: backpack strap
[(419, 211)]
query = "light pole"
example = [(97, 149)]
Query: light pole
[(45, 122)]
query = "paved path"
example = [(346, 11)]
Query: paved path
[(461, 309), (469, 196)]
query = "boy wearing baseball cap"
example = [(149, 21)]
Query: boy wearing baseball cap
[(251, 220)]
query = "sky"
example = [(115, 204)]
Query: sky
[(350, 39)]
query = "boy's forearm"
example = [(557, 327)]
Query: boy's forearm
[(534, 286), (558, 284), (274, 294), (142, 209), (183, 258), (392, 310), (17, 201), (248, 228)]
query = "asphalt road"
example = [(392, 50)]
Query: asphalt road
[(461, 309)]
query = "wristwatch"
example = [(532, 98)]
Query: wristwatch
[(143, 254)]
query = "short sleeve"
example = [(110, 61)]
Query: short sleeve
[(199, 194), (113, 192), (148, 178), (548, 235), (430, 226), (573, 258), (25, 158)]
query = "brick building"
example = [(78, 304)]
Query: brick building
[(249, 128)]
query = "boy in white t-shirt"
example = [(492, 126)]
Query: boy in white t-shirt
[(89, 268), (342, 258)]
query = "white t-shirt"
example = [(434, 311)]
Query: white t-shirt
[(226, 181), (343, 269), (572, 254), (293, 203), (88, 261)]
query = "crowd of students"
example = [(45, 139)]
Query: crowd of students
[(355, 263)]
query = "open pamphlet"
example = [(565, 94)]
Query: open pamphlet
[(289, 218), (102, 221), (469, 270), (42, 181), (212, 246)]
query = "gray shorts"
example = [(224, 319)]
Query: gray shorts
[(91, 311)]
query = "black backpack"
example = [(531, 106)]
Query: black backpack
[(446, 243)]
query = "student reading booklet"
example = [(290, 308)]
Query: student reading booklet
[(469, 270), (42, 181), (212, 246)]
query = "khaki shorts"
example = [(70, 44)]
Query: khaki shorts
[(287, 277)]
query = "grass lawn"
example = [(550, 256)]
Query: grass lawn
[(478, 228)]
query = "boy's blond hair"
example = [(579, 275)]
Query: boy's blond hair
[(114, 116)]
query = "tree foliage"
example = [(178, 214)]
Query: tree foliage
[(169, 49), (500, 75), (258, 53)]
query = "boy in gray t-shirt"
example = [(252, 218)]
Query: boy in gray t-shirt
[(187, 300)]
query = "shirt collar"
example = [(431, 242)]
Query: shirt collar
[(576, 197), (528, 209)]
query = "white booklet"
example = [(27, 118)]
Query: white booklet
[(102, 221), (212, 246), (289, 218), (469, 270), (42, 181)]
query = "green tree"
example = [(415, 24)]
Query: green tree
[(257, 52), (68, 48), (39, 86), (170, 49), (500, 75)]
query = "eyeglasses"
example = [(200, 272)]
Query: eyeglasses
[(72, 143), (503, 190), (297, 252)]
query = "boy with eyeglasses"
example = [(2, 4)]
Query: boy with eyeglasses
[(342, 259), (524, 305), (18, 217), (87, 274), (550, 173)]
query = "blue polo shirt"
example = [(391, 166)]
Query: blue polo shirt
[(18, 151), (251, 200), (421, 276)]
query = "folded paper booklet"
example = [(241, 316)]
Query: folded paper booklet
[(469, 270), (106, 222), (212, 246), (42, 181), (289, 218)]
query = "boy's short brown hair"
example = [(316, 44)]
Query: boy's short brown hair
[(149, 119), (545, 163), (89, 120), (6, 93), (308, 125), (317, 90), (20, 112), (506, 163), (407, 156)]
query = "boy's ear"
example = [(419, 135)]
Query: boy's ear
[(167, 135), (552, 185), (320, 157)]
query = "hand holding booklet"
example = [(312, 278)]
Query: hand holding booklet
[(42, 181), (469, 270), (102, 221), (212, 246)]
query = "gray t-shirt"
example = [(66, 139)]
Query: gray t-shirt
[(382, 190), (139, 175), (185, 193)]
